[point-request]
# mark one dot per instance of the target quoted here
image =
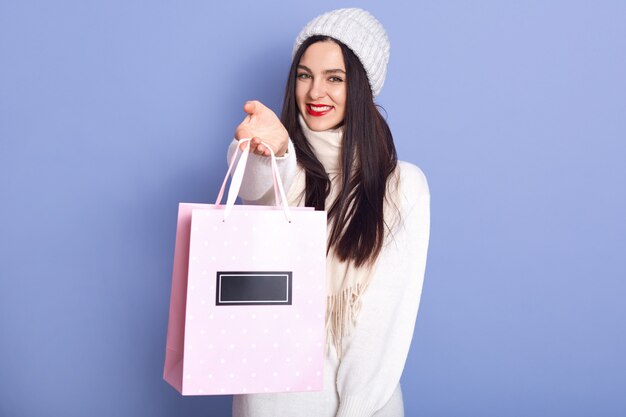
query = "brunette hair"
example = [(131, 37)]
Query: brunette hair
[(368, 158)]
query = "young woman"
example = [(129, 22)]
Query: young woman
[(336, 153)]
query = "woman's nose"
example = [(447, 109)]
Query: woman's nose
[(317, 89)]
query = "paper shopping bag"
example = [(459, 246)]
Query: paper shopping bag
[(248, 297)]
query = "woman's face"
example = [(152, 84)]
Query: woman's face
[(321, 86)]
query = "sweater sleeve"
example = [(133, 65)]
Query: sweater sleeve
[(376, 351), (257, 184)]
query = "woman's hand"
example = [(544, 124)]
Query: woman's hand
[(261, 124)]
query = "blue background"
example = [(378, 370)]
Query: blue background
[(111, 112)]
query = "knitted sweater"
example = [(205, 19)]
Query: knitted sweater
[(365, 380)]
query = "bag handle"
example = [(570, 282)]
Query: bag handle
[(235, 184), (231, 165)]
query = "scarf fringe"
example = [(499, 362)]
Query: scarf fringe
[(342, 310)]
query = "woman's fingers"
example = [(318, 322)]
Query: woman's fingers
[(262, 122), (256, 147), (253, 107), (260, 149), (243, 131), (249, 107)]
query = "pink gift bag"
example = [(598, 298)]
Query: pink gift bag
[(248, 296)]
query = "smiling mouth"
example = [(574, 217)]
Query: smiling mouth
[(318, 110)]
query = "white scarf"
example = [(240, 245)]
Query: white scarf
[(345, 283)]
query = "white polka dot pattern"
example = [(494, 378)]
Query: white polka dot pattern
[(254, 348)]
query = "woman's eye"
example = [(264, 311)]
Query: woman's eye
[(304, 76), (335, 80)]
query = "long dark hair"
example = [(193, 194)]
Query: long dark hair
[(368, 158)]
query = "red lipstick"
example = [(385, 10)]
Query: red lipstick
[(318, 113)]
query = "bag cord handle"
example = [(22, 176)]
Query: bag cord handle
[(235, 184)]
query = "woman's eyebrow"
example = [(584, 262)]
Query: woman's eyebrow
[(328, 71), (332, 71)]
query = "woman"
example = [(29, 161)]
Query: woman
[(336, 152)]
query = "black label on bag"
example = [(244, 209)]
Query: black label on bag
[(253, 288)]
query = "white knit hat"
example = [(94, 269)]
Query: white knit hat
[(359, 31)]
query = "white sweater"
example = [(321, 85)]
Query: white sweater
[(365, 381)]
